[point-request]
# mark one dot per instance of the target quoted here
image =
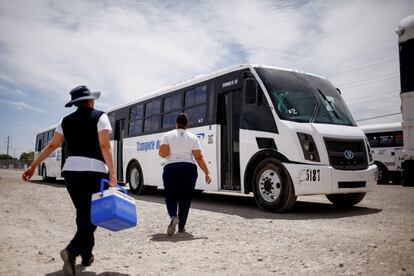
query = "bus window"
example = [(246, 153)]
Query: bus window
[(399, 139), (172, 108), (152, 116), (136, 114), (373, 141), (195, 105), (386, 140)]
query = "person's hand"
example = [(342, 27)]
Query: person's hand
[(208, 178), (28, 173), (113, 181)]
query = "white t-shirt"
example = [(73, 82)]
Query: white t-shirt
[(80, 163), (181, 144)]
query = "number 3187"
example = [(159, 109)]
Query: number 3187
[(313, 175)]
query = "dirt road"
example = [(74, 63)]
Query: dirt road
[(228, 235)]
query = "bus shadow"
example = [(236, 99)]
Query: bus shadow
[(52, 183), (245, 206)]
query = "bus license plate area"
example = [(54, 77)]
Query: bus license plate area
[(353, 181)]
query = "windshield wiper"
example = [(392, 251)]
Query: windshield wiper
[(330, 104), (315, 111)]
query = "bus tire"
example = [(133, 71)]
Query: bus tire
[(45, 178), (382, 173), (272, 187), (345, 200), (135, 178)]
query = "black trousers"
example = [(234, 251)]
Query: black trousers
[(179, 182), (81, 186)]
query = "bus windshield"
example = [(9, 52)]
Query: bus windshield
[(304, 98)]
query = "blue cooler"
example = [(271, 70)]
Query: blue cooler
[(113, 209)]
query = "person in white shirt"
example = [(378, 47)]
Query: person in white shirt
[(182, 151), (89, 159)]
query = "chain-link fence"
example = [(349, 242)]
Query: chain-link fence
[(15, 164)]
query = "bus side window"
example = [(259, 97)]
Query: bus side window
[(172, 107), (399, 139), (136, 114), (195, 105), (372, 140), (39, 142), (152, 116)]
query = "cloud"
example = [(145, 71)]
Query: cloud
[(21, 105), (126, 48)]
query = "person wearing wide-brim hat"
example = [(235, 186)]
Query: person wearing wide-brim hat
[(86, 133)]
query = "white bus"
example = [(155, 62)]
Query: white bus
[(386, 141), (264, 130), (51, 167)]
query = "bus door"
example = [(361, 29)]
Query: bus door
[(229, 108), (119, 136)]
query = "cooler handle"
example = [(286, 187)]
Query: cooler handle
[(122, 189)]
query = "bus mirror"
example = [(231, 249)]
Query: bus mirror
[(250, 91), (339, 91)]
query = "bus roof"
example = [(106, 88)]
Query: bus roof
[(47, 129), (200, 78), (382, 127)]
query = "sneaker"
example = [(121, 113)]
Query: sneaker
[(171, 227), (68, 262), (181, 230), (88, 261)]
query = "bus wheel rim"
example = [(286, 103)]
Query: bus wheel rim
[(134, 178), (270, 186)]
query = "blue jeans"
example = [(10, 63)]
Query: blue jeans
[(179, 182)]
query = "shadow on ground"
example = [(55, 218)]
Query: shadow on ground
[(80, 271), (245, 206), (161, 237)]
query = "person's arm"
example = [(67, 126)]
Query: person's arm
[(56, 141), (164, 150), (203, 166), (105, 146)]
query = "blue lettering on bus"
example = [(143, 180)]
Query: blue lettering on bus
[(200, 136), (150, 145)]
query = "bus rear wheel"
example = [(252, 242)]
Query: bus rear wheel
[(345, 200), (273, 190), (136, 179), (44, 174)]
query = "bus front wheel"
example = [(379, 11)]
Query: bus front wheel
[(135, 178), (273, 190), (345, 200)]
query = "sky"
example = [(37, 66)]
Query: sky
[(126, 49)]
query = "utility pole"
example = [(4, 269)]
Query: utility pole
[(8, 143)]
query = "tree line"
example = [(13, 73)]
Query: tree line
[(25, 156)]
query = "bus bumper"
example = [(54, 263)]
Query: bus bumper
[(314, 180)]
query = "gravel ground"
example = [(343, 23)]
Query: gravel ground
[(228, 235)]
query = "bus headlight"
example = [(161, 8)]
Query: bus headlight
[(308, 147)]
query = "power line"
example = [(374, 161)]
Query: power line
[(364, 67), (376, 117), (368, 79), (370, 101), (369, 82), (378, 94)]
